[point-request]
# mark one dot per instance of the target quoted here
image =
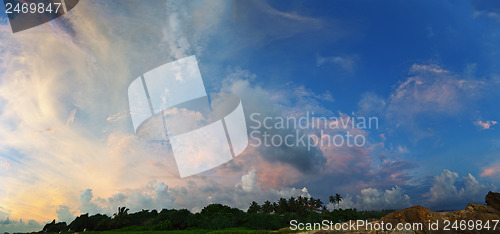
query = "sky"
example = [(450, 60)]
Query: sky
[(427, 70)]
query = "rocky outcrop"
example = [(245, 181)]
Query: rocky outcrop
[(474, 211), (412, 215), (493, 200)]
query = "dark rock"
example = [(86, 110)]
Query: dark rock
[(493, 200)]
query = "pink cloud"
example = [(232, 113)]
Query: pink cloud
[(115, 117), (485, 124), (427, 68), (432, 89), (490, 171), (71, 117), (269, 174), (47, 130), (119, 144)]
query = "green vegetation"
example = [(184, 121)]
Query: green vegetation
[(215, 218)]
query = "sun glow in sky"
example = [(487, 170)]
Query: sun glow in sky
[(427, 70)]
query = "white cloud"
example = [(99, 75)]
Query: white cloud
[(87, 205), (8, 225), (489, 14), (376, 199), (433, 92), (447, 192), (248, 181), (157, 195), (491, 170), (347, 63), (485, 124), (403, 149), (64, 214), (3, 213), (371, 103)]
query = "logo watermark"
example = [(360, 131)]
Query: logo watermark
[(355, 226), (310, 131), (169, 104), (25, 14)]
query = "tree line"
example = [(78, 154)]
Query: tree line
[(293, 205), (265, 216)]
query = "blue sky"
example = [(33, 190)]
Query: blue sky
[(381, 41), (427, 69)]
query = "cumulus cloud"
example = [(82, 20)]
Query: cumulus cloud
[(193, 196), (248, 181), (87, 205), (448, 192), (376, 199), (64, 214), (9, 225)]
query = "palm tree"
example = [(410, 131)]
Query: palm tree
[(318, 203), (254, 207), (300, 201), (267, 207), (122, 211), (311, 201), (283, 206), (120, 217), (338, 199), (292, 205)]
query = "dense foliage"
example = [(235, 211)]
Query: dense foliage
[(266, 216)]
